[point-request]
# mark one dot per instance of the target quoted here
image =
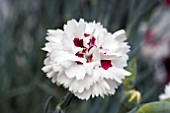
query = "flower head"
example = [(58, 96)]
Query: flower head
[(86, 59), (166, 94)]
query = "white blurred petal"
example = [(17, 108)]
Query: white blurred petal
[(166, 93)]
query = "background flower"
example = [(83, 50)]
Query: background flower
[(166, 93), (86, 59)]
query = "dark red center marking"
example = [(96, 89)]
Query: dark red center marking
[(80, 55), (86, 35), (106, 64), (78, 42), (92, 42), (79, 63)]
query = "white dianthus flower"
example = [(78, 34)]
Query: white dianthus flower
[(86, 59), (166, 94)]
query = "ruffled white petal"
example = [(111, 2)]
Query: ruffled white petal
[(51, 74), (77, 71), (120, 35), (46, 68), (89, 67)]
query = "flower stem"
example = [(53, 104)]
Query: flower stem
[(66, 101)]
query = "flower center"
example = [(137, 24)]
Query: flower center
[(84, 53), (88, 51), (89, 58)]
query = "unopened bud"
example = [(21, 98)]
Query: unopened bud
[(134, 95)]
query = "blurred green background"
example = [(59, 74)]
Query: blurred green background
[(23, 24)]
